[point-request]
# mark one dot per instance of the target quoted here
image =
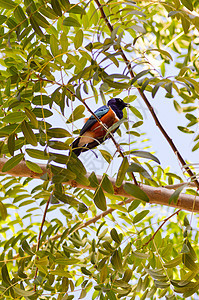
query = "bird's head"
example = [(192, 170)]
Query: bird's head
[(117, 103)]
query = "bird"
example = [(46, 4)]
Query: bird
[(92, 134)]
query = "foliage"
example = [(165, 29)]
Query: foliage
[(58, 57)]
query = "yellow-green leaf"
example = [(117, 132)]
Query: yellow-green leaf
[(33, 166), (78, 40), (12, 162), (100, 199), (7, 4), (31, 116), (28, 133), (135, 191), (122, 172), (3, 211)]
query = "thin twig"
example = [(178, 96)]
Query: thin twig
[(39, 236), (98, 120), (165, 220), (148, 104)]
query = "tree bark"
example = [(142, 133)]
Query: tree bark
[(157, 195)]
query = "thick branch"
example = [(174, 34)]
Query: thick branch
[(157, 195), (148, 104)]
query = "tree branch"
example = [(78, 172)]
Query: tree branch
[(98, 120), (148, 104), (157, 195), (39, 236), (165, 220)]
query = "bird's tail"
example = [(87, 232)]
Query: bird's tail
[(77, 150)]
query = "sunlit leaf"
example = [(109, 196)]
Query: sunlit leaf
[(69, 21), (12, 162), (121, 172), (100, 199), (140, 216), (135, 191)]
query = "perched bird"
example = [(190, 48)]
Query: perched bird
[(92, 133)]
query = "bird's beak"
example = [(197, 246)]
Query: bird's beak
[(127, 105)]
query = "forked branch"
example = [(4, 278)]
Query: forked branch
[(148, 104)]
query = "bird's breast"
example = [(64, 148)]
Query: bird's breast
[(97, 131), (108, 119)]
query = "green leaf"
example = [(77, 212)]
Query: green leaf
[(56, 7), (140, 255), (38, 154), (163, 53), (76, 9), (86, 271), (140, 216), (122, 172), (5, 275), (76, 114), (156, 274), (106, 155), (189, 263), (78, 40), (26, 247), (134, 205), (135, 191), (14, 117), (58, 133), (3, 211), (93, 180), (185, 249), (142, 73), (195, 147), (188, 4), (107, 185), (145, 154), (35, 26), (61, 273), (134, 167), (28, 133), (41, 20), (41, 100), (118, 207), (115, 236), (190, 291), (136, 112), (186, 25), (31, 116), (69, 21), (174, 262), (100, 199), (116, 85), (82, 208), (33, 167), (116, 261), (20, 16), (7, 4), (42, 112), (11, 143), (185, 129), (161, 284), (23, 293), (54, 45), (174, 197), (67, 261), (12, 162)]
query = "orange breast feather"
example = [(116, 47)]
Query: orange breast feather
[(108, 119)]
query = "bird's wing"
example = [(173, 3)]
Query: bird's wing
[(100, 112)]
